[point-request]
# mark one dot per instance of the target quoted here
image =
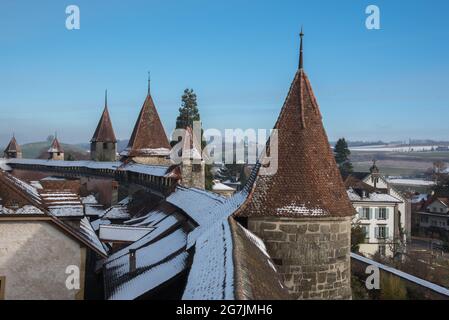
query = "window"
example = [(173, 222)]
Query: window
[(105, 145), (441, 209), (424, 219), (381, 232), (196, 168), (2, 287), (364, 213), (382, 250), (382, 214), (365, 230)]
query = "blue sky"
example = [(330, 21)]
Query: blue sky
[(239, 57)]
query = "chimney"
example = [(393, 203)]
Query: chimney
[(132, 260)]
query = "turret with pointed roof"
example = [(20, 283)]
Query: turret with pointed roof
[(13, 149), (192, 165), (301, 209), (55, 152), (307, 181), (103, 145), (148, 143)]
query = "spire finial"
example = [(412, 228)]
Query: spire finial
[(301, 35), (106, 98), (149, 82)]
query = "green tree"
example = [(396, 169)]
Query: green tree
[(357, 237), (188, 112), (342, 153)]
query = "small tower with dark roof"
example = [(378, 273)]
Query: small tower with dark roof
[(55, 152), (103, 145), (300, 209), (148, 143), (13, 149)]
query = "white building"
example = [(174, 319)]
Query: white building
[(377, 214), (435, 215), (383, 212)]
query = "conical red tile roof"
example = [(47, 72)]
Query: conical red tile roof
[(104, 131), (148, 133), (307, 181), (55, 146), (13, 146)]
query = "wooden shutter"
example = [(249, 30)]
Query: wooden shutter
[(376, 211)]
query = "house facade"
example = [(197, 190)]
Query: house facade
[(382, 211), (434, 215), (377, 215)]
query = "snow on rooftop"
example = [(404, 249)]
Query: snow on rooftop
[(27, 209), (301, 209), (149, 278), (218, 186), (117, 212), (156, 263), (193, 202), (371, 197), (88, 232), (170, 223), (90, 199), (66, 211), (36, 184), (211, 276), (98, 222), (30, 190), (122, 233), (3, 165)]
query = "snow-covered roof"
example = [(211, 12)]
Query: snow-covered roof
[(88, 232), (153, 170), (90, 199), (230, 262), (94, 210), (211, 276), (27, 209), (218, 186), (372, 197), (63, 203), (156, 263), (121, 233), (194, 201), (3, 165), (117, 212), (98, 222)]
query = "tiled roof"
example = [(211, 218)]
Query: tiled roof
[(104, 131), (13, 146), (307, 181), (148, 133), (55, 146)]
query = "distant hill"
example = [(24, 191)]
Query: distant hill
[(37, 150), (121, 145)]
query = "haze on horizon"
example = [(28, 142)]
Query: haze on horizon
[(240, 58)]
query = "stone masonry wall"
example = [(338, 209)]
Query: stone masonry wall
[(100, 153), (312, 254)]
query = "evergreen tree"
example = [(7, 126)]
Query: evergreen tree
[(188, 112), (342, 153)]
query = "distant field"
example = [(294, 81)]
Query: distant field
[(398, 163)]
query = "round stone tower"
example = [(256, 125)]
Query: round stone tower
[(301, 210)]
